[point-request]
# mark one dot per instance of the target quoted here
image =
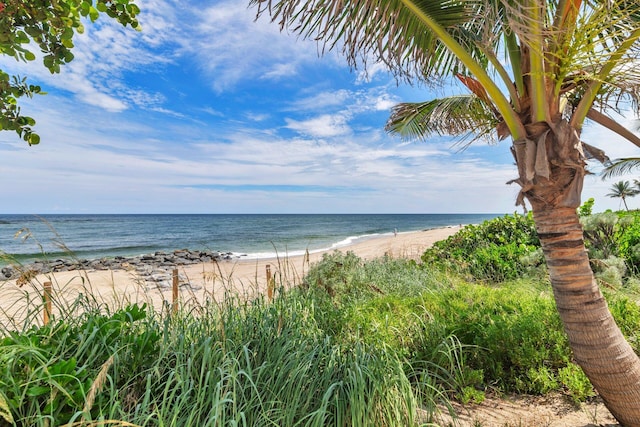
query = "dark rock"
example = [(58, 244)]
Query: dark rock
[(159, 262)]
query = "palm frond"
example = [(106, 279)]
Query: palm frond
[(465, 115), (621, 90), (381, 31), (621, 167), (613, 126), (606, 46)]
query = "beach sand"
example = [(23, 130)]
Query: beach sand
[(212, 281)]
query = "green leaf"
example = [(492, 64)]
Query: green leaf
[(29, 56), (21, 37), (37, 390), (67, 34), (33, 31), (133, 9), (48, 61), (8, 50), (93, 13), (85, 7), (34, 139), (62, 367)]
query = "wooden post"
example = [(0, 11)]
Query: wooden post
[(47, 302), (174, 305), (269, 283)]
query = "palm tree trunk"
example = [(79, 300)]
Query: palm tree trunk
[(597, 343)]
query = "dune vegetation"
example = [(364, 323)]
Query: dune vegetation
[(386, 342)]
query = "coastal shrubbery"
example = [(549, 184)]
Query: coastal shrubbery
[(461, 339), (613, 242), (501, 249), (385, 342), (507, 248)]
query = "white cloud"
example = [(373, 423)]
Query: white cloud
[(384, 103), (98, 167), (257, 117), (372, 70), (321, 100), (280, 71), (102, 100), (324, 126), (231, 46)]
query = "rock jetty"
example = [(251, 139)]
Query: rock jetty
[(155, 269)]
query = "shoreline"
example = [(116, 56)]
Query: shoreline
[(203, 280), (24, 261)]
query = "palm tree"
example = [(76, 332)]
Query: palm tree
[(534, 71), (622, 190)]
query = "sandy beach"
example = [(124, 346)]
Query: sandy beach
[(202, 281)]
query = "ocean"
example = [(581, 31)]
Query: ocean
[(25, 238)]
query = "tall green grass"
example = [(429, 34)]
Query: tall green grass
[(249, 363)]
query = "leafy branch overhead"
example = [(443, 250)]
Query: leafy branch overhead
[(50, 27)]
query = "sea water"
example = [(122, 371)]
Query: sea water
[(24, 238)]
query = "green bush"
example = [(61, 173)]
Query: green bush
[(510, 337), (47, 372), (628, 239), (586, 208), (514, 330), (626, 312), (457, 338), (492, 251), (259, 364), (576, 383), (373, 302), (599, 232)]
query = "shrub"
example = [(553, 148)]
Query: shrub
[(626, 312), (47, 372), (586, 208), (628, 239), (513, 332), (231, 363), (599, 232), (374, 301), (576, 383), (492, 251), (264, 364)]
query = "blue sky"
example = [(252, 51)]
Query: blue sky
[(208, 111)]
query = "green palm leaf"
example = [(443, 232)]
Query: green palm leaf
[(621, 167), (465, 115), (379, 30)]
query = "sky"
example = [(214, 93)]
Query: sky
[(207, 110)]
